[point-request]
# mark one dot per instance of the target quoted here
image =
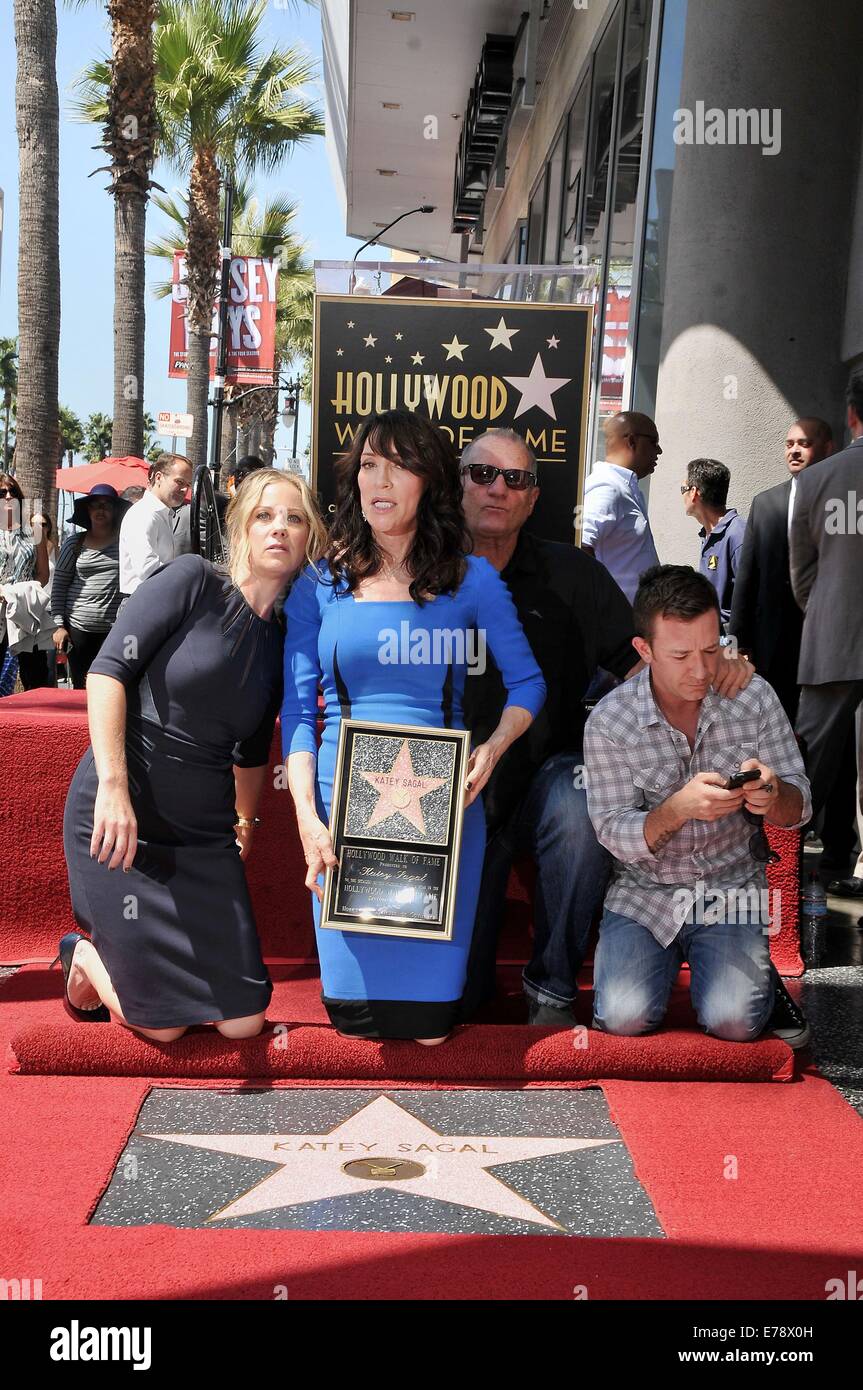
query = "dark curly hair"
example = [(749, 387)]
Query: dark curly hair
[(436, 559)]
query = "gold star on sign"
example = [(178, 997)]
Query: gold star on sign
[(388, 358), (552, 341), (500, 336), (370, 341), (399, 337), (454, 349), (417, 359), (340, 352), (350, 323)]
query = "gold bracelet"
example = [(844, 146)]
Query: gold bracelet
[(246, 822)]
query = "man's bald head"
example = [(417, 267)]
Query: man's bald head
[(632, 441), (808, 441)]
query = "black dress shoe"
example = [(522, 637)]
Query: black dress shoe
[(98, 1013), (846, 887)]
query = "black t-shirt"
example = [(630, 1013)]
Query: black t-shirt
[(576, 619)]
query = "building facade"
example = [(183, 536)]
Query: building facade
[(699, 162)]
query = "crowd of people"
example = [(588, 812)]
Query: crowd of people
[(636, 811)]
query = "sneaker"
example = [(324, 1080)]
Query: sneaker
[(787, 1021), (549, 1015)]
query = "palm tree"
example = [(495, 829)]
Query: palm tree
[(9, 387), (98, 429), (71, 433), (129, 136), (225, 107), (267, 231), (37, 121)]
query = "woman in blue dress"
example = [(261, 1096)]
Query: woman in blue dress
[(397, 567)]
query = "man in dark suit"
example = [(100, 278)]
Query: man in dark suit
[(826, 548), (765, 617)]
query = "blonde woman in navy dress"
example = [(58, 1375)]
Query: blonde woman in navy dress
[(397, 554), (182, 701)]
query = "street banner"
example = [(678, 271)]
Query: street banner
[(467, 365), (252, 286)]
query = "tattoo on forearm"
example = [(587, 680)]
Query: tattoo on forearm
[(659, 841)]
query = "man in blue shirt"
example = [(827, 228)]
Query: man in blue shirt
[(615, 528), (705, 496)]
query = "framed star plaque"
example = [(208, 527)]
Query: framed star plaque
[(396, 821)]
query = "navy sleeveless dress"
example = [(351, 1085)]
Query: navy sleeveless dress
[(378, 986), (203, 679)]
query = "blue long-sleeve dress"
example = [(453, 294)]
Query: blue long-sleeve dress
[(379, 986)]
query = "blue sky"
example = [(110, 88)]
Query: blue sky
[(86, 217)]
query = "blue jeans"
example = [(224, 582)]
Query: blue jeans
[(573, 869), (731, 984)]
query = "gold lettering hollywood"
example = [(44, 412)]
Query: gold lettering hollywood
[(462, 397)]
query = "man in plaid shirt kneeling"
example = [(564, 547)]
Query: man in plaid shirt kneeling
[(689, 881)]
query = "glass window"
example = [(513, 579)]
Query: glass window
[(659, 189), (574, 174), (594, 212), (555, 200), (617, 295), (535, 221)]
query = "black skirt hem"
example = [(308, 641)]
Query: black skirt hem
[(214, 1017), (392, 1018)]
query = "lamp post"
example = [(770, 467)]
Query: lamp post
[(222, 340), (291, 409), (377, 236)]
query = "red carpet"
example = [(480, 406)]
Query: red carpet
[(790, 1221), (46, 1042)]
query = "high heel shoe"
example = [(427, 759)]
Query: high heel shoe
[(99, 1014)]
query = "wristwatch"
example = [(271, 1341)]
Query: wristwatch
[(246, 822)]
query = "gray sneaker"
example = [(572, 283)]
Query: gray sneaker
[(549, 1015)]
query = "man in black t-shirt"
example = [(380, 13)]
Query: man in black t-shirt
[(576, 620)]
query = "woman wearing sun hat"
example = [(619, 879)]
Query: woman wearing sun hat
[(85, 594)]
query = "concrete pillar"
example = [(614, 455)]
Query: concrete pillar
[(759, 247)]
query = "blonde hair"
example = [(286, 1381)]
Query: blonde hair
[(247, 499)]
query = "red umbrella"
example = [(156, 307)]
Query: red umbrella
[(119, 472)]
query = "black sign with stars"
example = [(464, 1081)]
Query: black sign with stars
[(469, 366)]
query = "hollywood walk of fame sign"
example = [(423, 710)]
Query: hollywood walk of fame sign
[(398, 800), (468, 365), (383, 1145)]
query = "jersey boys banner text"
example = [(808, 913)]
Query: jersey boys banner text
[(469, 366), (251, 320)]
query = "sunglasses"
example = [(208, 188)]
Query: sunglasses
[(484, 474), (7, 492), (686, 487), (759, 846)]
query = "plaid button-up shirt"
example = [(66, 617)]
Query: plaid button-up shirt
[(635, 760)]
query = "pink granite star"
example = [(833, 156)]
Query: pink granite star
[(400, 791)]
